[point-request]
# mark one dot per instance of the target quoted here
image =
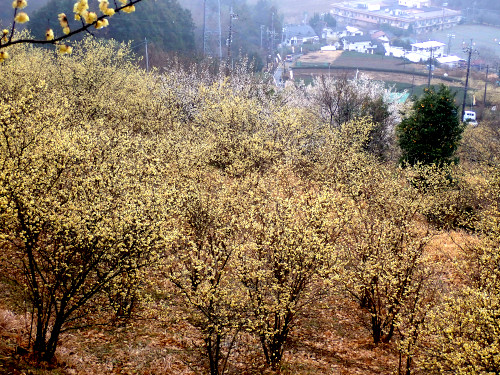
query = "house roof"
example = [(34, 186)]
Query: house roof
[(299, 31), (429, 44), (357, 39), (449, 59)]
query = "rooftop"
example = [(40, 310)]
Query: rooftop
[(429, 44), (388, 9)]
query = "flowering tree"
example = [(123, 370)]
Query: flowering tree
[(81, 13), (78, 185)]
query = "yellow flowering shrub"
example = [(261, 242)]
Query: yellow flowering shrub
[(78, 182)]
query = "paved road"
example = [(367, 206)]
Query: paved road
[(278, 81)]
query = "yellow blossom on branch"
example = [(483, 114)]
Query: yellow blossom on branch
[(81, 7), (90, 17), (129, 9), (19, 4), (104, 7), (5, 33), (101, 23), (49, 34), (22, 18), (63, 20)]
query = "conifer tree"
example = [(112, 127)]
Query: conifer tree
[(430, 134)]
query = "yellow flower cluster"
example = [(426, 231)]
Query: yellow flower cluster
[(80, 9), (3, 56), (21, 18), (104, 7), (90, 17), (129, 9), (19, 4), (63, 21), (5, 34), (101, 23)]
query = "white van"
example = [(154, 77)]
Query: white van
[(470, 118)]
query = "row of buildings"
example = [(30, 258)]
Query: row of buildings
[(416, 15), (376, 41)]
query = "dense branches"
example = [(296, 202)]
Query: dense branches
[(238, 211)]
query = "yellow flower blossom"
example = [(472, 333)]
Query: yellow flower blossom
[(22, 18), (66, 30), (3, 56), (101, 23), (80, 7), (5, 34), (19, 4), (63, 20), (104, 7), (123, 1), (64, 49), (90, 17), (49, 34), (129, 9)]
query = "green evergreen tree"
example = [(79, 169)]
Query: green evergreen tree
[(430, 134)]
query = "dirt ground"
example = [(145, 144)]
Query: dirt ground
[(321, 57)]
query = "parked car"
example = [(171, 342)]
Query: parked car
[(470, 118)]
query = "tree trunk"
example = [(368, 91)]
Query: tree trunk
[(376, 330)]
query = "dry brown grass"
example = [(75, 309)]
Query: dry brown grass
[(330, 339), (321, 56)]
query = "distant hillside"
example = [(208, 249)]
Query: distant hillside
[(296, 11), (6, 12), (292, 10)]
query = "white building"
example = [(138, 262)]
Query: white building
[(449, 61), (299, 34), (415, 3), (426, 48), (361, 44), (417, 14)]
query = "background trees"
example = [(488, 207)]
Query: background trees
[(432, 132), (164, 23)]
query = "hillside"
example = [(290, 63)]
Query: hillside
[(203, 221)]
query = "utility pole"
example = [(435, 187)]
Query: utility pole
[(486, 85), (468, 50), (450, 36), (430, 67), (261, 32), (232, 16), (212, 45), (147, 57), (272, 35)]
